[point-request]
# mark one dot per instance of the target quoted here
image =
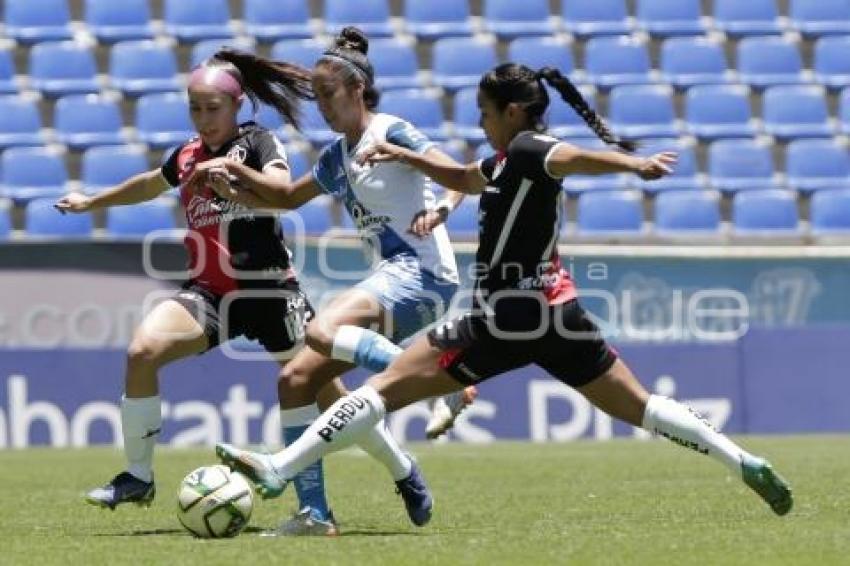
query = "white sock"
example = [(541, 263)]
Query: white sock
[(381, 445), (347, 421), (141, 421), (683, 426)]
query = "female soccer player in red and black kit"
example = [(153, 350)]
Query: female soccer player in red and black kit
[(234, 250), (525, 309)]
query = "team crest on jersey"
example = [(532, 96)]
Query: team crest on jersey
[(237, 153)]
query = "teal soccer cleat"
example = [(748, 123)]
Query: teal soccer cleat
[(759, 475)]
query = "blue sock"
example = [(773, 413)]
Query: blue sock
[(364, 348), (310, 482)]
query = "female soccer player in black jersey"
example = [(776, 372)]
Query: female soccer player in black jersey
[(525, 308)]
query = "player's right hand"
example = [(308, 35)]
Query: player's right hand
[(74, 202), (381, 152)]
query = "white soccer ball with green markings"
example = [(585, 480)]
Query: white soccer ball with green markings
[(214, 502)]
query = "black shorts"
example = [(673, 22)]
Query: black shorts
[(560, 339), (276, 317)]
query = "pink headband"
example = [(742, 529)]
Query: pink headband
[(217, 78)]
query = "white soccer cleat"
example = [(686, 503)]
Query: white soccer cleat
[(446, 409)]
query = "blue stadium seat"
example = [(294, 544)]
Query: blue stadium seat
[(770, 211), (32, 172), (563, 121), (613, 61), (371, 16), (7, 73), (610, 213), (462, 223), (508, 18), (271, 20), (687, 213), (753, 17), (313, 218), (844, 111), (314, 127), (106, 166), (466, 116), (459, 61), (421, 108), (539, 52), (585, 18), (304, 52), (203, 50), (820, 17), (796, 112), (395, 64), (193, 20), (644, 111), (20, 122), (42, 219), (64, 67), (5, 219), (769, 61), (162, 119), (665, 18), (30, 22), (454, 149), (142, 67), (685, 173), (111, 21), (265, 116), (719, 111), (689, 61), (832, 63), (811, 165), (140, 219), (575, 185), (434, 19), (299, 162), (83, 121), (829, 212), (739, 165)]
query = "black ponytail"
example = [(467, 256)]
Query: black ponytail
[(349, 55)]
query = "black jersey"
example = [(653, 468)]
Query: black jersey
[(227, 237)]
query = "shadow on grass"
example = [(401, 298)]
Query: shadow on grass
[(260, 531)]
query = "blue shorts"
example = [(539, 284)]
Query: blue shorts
[(414, 298)]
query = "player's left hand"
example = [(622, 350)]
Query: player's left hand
[(221, 182), (381, 152), (201, 177), (656, 166), (425, 221)]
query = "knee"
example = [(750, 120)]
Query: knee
[(144, 353), (292, 377), (320, 336)]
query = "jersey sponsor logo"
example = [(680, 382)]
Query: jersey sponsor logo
[(203, 211), (365, 220), (237, 153)]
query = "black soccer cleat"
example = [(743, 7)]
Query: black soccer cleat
[(124, 488)]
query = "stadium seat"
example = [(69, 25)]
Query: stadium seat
[(719, 111), (575, 185), (508, 18), (299, 162), (844, 111), (371, 16), (462, 223), (539, 52), (644, 111), (769, 61), (106, 166), (421, 108), (832, 61), (467, 116), (771, 211), (820, 17), (194, 20), (111, 21), (142, 67), (395, 64), (454, 149), (739, 165), (206, 48), (829, 212), (689, 61), (31, 22), (585, 18), (753, 17), (7, 72), (313, 218), (685, 173), (613, 61), (434, 19), (687, 213), (811, 165), (265, 116), (5, 219), (32, 172), (304, 52), (610, 213), (271, 20), (162, 119), (665, 18), (459, 61), (20, 122), (42, 219), (563, 121), (792, 112), (60, 68), (314, 127), (140, 219), (83, 121)]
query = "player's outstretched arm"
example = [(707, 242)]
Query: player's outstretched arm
[(136, 189), (569, 159)]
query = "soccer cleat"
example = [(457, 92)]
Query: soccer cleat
[(124, 488), (254, 466), (759, 475), (305, 524), (446, 409), (417, 498)]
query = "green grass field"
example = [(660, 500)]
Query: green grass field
[(621, 502)]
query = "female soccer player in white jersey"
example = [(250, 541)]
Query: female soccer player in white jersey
[(412, 285), (528, 313)]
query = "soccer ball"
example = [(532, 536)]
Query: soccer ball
[(214, 502)]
